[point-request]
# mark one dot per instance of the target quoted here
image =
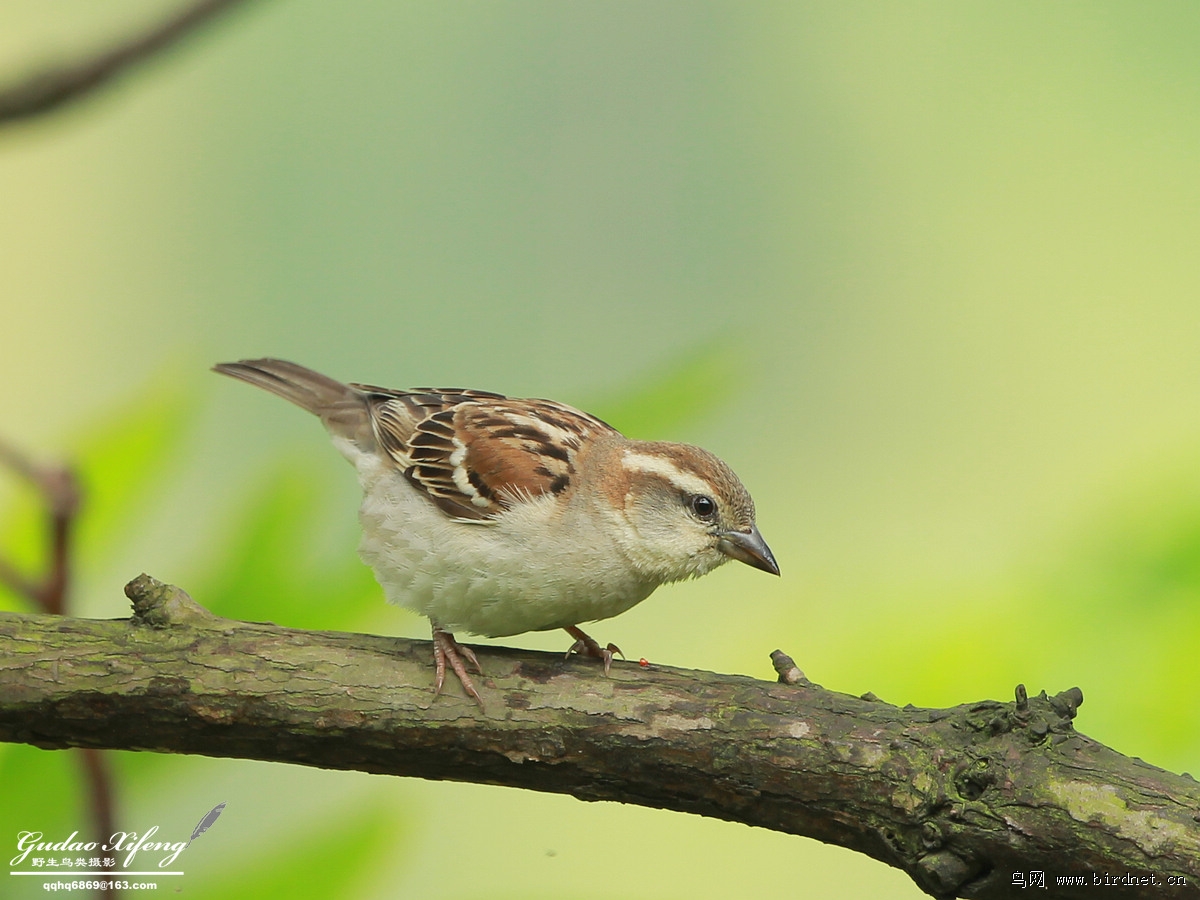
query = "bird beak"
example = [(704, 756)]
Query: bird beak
[(748, 547)]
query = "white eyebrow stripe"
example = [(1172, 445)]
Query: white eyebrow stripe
[(659, 465)]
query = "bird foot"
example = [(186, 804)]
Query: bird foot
[(586, 645), (447, 650)]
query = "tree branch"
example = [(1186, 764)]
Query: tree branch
[(46, 91), (958, 798)]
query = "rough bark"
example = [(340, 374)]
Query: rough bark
[(959, 798)]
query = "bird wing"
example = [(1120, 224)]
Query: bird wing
[(475, 453)]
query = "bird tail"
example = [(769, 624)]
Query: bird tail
[(341, 408)]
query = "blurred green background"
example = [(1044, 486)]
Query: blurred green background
[(925, 274)]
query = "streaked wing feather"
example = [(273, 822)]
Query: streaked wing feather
[(474, 453)]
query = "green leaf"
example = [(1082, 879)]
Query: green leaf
[(120, 460), (281, 564)]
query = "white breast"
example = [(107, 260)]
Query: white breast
[(536, 567)]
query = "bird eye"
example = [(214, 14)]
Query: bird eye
[(704, 507)]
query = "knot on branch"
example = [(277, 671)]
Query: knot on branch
[(164, 605), (943, 873), (785, 666), (1052, 716), (1066, 703), (1041, 719)]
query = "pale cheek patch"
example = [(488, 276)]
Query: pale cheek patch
[(664, 468)]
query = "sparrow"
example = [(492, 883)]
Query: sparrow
[(498, 516)]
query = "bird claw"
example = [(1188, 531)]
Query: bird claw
[(585, 645), (447, 650)]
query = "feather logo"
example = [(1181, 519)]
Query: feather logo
[(207, 822)]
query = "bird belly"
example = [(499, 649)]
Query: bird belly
[(499, 578)]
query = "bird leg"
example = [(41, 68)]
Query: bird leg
[(587, 646), (447, 649)]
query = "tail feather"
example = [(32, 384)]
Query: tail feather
[(341, 408)]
